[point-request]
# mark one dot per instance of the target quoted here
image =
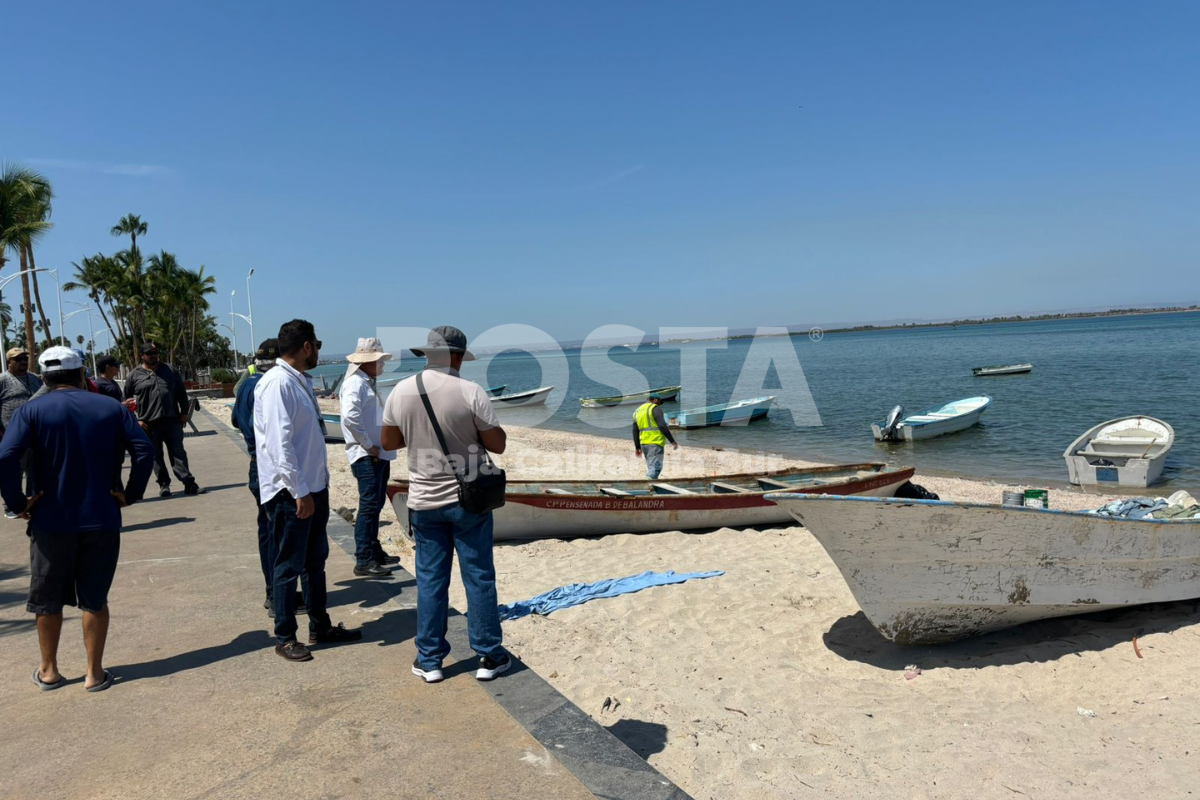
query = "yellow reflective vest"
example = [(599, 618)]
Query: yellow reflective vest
[(648, 432)]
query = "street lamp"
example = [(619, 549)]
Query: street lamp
[(85, 307), (233, 327), (250, 307), (52, 273)]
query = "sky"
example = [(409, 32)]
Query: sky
[(571, 165)]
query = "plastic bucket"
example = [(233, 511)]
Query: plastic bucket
[(1013, 498), (1037, 498)]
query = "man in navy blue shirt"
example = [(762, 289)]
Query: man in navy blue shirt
[(75, 440)]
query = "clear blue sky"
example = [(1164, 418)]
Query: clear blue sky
[(568, 165)]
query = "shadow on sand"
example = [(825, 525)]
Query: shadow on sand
[(643, 738), (855, 639)]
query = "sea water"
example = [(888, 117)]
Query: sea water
[(1085, 371)]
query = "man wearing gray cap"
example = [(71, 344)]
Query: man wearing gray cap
[(439, 524)]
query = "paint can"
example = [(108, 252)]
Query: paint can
[(1037, 498), (1013, 497)]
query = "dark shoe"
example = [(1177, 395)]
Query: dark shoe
[(268, 603), (293, 651), (194, 489), (372, 570), (427, 675), (384, 559), (335, 635), (164, 491), (489, 668)]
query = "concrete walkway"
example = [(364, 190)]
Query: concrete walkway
[(204, 708)]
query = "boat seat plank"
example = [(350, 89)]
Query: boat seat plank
[(669, 489), (727, 487), (555, 490), (614, 492), (769, 483)]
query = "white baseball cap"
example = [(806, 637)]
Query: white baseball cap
[(59, 359)]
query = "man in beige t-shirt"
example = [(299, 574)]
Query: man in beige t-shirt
[(439, 525)]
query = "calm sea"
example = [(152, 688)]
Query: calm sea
[(1085, 371)]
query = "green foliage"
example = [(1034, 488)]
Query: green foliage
[(222, 375)]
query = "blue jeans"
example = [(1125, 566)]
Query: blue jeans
[(300, 547), (438, 533), (654, 460), (266, 558), (372, 474)]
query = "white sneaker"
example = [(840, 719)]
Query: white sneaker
[(427, 675), (489, 668)]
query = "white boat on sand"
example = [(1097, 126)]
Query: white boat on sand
[(927, 571), (936, 421), (1130, 451), (533, 397), (566, 509)]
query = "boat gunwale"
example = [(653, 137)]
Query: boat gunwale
[(722, 406), (617, 399), (876, 469), (1091, 433), (904, 501), (978, 409)]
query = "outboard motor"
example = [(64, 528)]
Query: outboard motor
[(893, 422)]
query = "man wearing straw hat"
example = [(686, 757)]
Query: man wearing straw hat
[(650, 435), (362, 415)]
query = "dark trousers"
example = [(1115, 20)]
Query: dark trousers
[(372, 474), (266, 557), (169, 432), (300, 547)]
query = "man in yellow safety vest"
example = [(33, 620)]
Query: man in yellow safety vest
[(650, 435)]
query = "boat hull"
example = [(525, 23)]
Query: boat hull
[(711, 417), (1106, 455), (536, 397), (927, 572), (564, 516), (1015, 369), (333, 427), (667, 393)]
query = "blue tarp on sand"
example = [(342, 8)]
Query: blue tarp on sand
[(575, 594)]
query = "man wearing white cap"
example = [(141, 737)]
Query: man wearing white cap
[(74, 439), (362, 416)]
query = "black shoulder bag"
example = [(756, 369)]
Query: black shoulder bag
[(485, 491)]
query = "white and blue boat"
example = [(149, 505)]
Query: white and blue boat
[(936, 421), (736, 413)]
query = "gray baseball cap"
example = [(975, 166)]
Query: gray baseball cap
[(446, 339)]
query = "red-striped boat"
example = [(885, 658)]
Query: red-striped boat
[(566, 509)]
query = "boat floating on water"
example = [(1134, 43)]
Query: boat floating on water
[(927, 571), (936, 421), (1002, 369), (567, 509), (495, 391), (737, 413), (667, 393), (1130, 451), (533, 397)]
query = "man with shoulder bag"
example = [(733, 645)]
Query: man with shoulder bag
[(448, 426)]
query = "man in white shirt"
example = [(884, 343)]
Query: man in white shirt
[(439, 524), (293, 479), (362, 412)]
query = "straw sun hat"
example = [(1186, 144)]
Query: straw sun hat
[(369, 349)]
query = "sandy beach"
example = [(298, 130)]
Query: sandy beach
[(767, 682)]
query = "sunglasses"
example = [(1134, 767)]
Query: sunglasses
[(151, 353), (317, 343)]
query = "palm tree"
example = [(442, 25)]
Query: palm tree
[(40, 208), (132, 226), (24, 195), (94, 274)]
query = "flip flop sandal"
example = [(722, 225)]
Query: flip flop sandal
[(104, 684), (41, 684)]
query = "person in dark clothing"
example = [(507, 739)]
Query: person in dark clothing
[(75, 441), (243, 421), (108, 368), (162, 411)]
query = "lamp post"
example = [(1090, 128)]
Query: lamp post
[(54, 274), (85, 307), (250, 308), (233, 328)]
